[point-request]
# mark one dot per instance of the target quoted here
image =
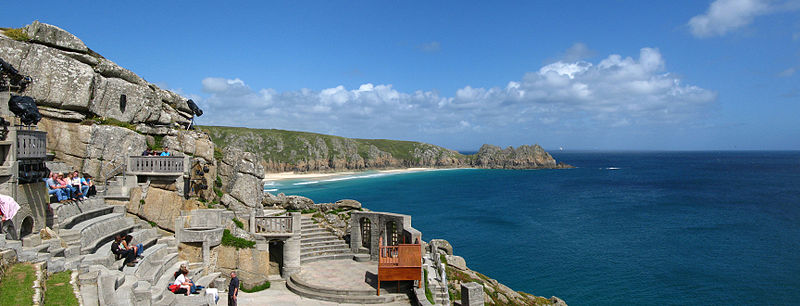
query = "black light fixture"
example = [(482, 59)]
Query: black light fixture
[(25, 108), (195, 109)]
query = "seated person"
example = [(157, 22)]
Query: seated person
[(87, 180), (137, 249), (62, 183), (182, 283), (166, 152), (54, 188), (81, 189), (120, 252)]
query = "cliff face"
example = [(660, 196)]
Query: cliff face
[(303, 152)]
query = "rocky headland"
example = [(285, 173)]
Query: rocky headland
[(97, 114), (283, 151)]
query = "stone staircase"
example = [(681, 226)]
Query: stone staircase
[(317, 243)]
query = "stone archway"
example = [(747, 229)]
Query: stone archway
[(366, 232), (26, 228)]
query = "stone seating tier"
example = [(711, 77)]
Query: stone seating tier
[(70, 222)]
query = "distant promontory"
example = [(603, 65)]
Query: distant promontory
[(310, 152)]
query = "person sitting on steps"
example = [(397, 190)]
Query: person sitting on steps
[(182, 283), (126, 244), (121, 252)]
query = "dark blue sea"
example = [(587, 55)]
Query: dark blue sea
[(649, 228)]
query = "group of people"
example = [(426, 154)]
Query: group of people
[(151, 152), (122, 248), (184, 285), (70, 187)]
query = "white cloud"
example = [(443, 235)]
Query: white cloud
[(724, 16), (577, 52), (433, 46), (788, 72), (615, 92)]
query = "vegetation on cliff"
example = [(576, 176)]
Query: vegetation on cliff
[(303, 151)]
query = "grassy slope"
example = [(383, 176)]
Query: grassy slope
[(292, 141), (16, 287), (59, 290)]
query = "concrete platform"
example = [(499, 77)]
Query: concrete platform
[(279, 295)]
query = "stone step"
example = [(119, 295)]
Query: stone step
[(151, 257), (313, 231), (304, 291), (318, 234), (319, 238), (74, 233), (70, 222), (152, 275), (311, 244), (343, 256), (324, 249)]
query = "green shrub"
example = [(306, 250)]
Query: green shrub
[(153, 224), (218, 182), (17, 34), (258, 288), (217, 153), (239, 243), (311, 211), (428, 294), (218, 192), (157, 143), (238, 223)]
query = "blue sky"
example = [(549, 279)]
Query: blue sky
[(630, 75)]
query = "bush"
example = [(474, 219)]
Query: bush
[(258, 288), (218, 192), (17, 34), (218, 182), (153, 224), (239, 243), (238, 223), (157, 140)]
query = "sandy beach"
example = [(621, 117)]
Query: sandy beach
[(294, 176)]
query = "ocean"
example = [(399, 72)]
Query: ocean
[(646, 228)]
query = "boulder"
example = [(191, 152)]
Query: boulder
[(125, 101), (110, 69), (59, 81), (159, 206), (457, 262), (348, 204), (54, 36), (294, 202), (61, 114), (191, 142), (442, 245)]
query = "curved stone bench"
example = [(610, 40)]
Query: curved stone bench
[(70, 222), (93, 237), (67, 210), (303, 289)]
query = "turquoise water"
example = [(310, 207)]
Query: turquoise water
[(640, 228)]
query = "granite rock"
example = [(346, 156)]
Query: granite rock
[(54, 36)]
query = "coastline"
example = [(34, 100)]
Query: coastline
[(281, 176)]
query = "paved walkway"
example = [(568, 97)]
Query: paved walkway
[(278, 295), (340, 274)]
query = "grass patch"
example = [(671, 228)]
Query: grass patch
[(443, 258), (238, 223), (236, 242), (109, 121), (428, 293), (16, 287), (258, 288), (152, 224), (218, 182), (316, 213), (17, 34), (157, 143), (217, 153), (218, 192), (336, 211), (59, 290)]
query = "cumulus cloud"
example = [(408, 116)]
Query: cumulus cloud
[(724, 16), (617, 91), (788, 72), (578, 51)]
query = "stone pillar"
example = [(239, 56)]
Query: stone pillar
[(355, 233), (291, 249), (252, 221), (471, 294)]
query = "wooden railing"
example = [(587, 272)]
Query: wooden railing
[(168, 165), (399, 262), (31, 144), (274, 225)]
